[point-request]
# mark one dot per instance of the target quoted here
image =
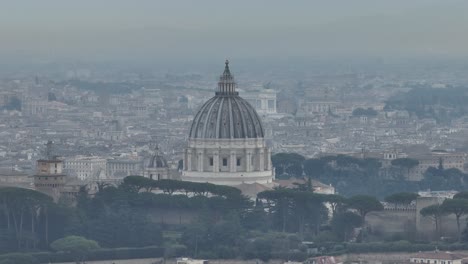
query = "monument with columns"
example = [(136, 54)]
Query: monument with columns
[(226, 143)]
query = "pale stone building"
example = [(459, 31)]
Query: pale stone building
[(226, 142), (438, 257), (263, 100), (121, 168), (448, 160), (86, 168)]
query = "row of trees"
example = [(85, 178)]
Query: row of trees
[(287, 211), (347, 174), (116, 216), (371, 112), (189, 188), (25, 218), (225, 223), (458, 206)]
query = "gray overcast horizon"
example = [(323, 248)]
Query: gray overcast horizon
[(213, 29)]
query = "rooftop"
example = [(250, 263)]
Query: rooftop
[(439, 255)]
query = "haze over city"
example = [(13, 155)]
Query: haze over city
[(234, 132)]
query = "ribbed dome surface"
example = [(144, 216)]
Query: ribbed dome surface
[(226, 116), (157, 160)]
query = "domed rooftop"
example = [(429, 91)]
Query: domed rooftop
[(226, 115), (157, 160)]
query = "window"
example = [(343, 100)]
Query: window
[(238, 162), (271, 104), (224, 162), (211, 161)]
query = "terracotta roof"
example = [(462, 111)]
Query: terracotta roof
[(439, 255)]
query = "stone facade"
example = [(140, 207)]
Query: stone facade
[(228, 161)]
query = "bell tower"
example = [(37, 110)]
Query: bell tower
[(49, 177)]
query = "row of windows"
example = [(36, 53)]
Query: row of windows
[(49, 185), (225, 161), (122, 166), (428, 261), (46, 178)]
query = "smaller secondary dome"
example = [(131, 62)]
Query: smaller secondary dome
[(157, 160), (226, 115)]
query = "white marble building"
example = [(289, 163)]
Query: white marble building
[(86, 167), (263, 100), (226, 142)]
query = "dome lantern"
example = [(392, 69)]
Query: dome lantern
[(226, 84)]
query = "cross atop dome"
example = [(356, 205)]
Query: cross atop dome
[(226, 84), (226, 68)]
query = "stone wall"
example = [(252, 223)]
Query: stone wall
[(411, 223), (390, 222)]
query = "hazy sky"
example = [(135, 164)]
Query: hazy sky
[(195, 29)]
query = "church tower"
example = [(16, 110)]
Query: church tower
[(49, 178)]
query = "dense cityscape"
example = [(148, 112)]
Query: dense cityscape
[(262, 159)]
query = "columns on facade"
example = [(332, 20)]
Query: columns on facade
[(233, 162), (200, 161), (216, 161), (248, 162), (268, 159), (261, 160), (188, 166)]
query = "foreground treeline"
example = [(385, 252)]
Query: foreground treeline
[(351, 176), (123, 221)]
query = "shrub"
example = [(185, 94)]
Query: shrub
[(102, 254), (17, 258)]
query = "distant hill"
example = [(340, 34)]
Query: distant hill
[(442, 104)]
